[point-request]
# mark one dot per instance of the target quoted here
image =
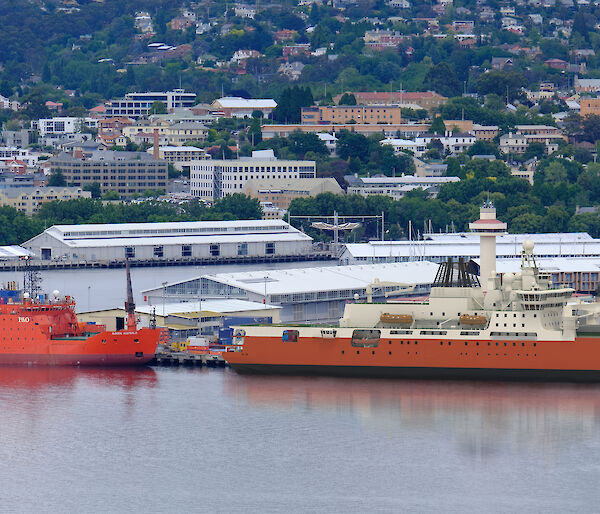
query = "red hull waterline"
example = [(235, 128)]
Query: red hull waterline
[(74, 360)]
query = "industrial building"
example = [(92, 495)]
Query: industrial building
[(176, 240), (304, 294), (438, 247), (188, 319)]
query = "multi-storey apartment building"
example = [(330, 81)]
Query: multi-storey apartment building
[(63, 125), (127, 173), (30, 199), (135, 105), (212, 179), (363, 114)]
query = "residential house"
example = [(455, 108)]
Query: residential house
[(499, 63), (185, 131), (12, 105), (556, 64), (296, 50), (292, 70), (453, 143), (513, 143)]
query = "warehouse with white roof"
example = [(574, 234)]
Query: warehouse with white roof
[(438, 247), (175, 240), (304, 294)]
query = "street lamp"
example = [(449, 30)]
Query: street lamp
[(164, 284)]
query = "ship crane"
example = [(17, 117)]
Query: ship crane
[(378, 285), (129, 303)]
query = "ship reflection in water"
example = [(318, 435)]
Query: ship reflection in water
[(15, 378), (481, 417)]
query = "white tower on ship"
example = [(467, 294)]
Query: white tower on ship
[(488, 227)]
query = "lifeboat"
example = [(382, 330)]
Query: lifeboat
[(471, 319), (397, 319)]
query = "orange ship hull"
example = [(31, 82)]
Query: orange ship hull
[(577, 360), (121, 348)]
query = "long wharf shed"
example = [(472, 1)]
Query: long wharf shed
[(173, 240), (304, 294)]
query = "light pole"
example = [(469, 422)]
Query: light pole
[(164, 284), (265, 298), (200, 306)]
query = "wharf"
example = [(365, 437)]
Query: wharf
[(169, 358), (43, 265)]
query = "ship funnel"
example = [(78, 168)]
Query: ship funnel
[(129, 303), (488, 227)]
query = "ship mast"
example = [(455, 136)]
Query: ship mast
[(129, 303)]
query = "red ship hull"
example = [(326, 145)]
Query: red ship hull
[(577, 360), (33, 334)]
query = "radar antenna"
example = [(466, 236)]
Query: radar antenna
[(32, 279)]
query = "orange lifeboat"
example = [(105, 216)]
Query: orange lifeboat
[(397, 319), (471, 319)]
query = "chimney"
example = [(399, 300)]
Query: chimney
[(156, 148), (78, 154)]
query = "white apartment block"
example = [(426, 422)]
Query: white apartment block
[(135, 105), (8, 153), (64, 125), (212, 179)]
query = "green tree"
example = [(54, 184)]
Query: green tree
[(437, 126), (534, 149), (442, 79), (556, 173), (291, 102), (239, 206), (352, 145), (347, 99), (110, 195), (57, 178), (591, 128), (94, 188), (300, 143), (158, 107), (501, 83)]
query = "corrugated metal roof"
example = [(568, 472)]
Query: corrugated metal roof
[(441, 245), (218, 306), (13, 252), (217, 225), (186, 240), (330, 278)]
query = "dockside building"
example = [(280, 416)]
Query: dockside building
[(178, 240)]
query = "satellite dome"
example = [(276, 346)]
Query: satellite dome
[(528, 246)]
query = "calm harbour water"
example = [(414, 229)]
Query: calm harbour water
[(209, 440)]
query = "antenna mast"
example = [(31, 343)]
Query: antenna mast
[(129, 303)]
